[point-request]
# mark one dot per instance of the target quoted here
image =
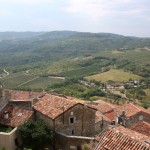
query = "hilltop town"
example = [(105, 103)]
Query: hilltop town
[(77, 125)]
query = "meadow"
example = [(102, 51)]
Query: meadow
[(114, 75)]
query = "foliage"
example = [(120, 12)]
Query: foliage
[(136, 93), (74, 87), (3, 148), (5, 129), (35, 134)]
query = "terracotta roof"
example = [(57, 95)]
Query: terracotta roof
[(110, 115), (142, 127), (23, 95), (99, 117), (120, 138), (130, 109), (102, 106), (52, 105), (16, 115), (105, 108)]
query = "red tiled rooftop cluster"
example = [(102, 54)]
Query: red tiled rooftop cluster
[(99, 117), (16, 115), (105, 108), (130, 109), (23, 95), (119, 138), (52, 105)]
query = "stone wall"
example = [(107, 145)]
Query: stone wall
[(46, 119), (23, 104), (100, 126), (84, 121), (3, 98), (7, 140), (141, 116), (64, 142)]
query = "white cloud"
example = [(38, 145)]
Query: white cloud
[(28, 2), (93, 9), (4, 12)]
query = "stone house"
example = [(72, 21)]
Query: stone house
[(73, 122), (105, 114), (12, 115), (24, 99), (105, 108), (101, 122), (64, 115), (129, 115)]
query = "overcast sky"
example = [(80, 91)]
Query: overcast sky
[(126, 17)]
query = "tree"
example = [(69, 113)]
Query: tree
[(35, 134)]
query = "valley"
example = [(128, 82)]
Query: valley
[(60, 61)]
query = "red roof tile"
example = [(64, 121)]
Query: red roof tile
[(142, 127), (130, 109), (121, 138), (23, 95), (110, 115), (105, 108), (17, 115), (99, 117), (102, 106), (52, 105)]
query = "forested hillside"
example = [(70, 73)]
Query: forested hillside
[(61, 44)]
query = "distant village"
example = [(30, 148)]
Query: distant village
[(78, 125)]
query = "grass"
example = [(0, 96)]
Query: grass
[(82, 71), (114, 75), (20, 80), (14, 80), (41, 82), (147, 94)]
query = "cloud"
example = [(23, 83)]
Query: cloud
[(5, 12), (28, 2), (96, 9), (91, 8)]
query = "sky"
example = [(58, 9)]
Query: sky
[(125, 17)]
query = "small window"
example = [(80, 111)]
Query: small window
[(72, 120)]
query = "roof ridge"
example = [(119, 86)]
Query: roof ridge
[(136, 107)]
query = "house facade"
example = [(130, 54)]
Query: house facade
[(66, 116), (129, 115)]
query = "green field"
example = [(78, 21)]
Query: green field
[(82, 71), (21, 81), (14, 80), (41, 82), (114, 75)]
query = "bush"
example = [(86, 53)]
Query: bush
[(35, 134)]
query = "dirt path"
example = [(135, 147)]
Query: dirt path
[(56, 77), (7, 74)]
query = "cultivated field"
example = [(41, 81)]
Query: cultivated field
[(20, 80), (41, 82), (114, 75)]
